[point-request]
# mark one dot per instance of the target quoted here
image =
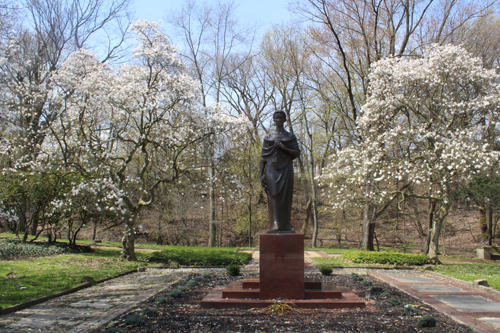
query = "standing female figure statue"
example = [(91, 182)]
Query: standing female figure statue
[(279, 149)]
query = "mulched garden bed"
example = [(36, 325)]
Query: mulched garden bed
[(180, 312)]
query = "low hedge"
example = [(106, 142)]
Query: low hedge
[(14, 249), (388, 258), (200, 257)]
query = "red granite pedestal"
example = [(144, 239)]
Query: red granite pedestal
[(281, 277)]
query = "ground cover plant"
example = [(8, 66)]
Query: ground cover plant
[(200, 256), (13, 249), (390, 258), (183, 313)]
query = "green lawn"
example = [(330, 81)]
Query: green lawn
[(23, 280), (471, 272)]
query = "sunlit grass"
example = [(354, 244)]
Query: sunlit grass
[(23, 280), (471, 272)]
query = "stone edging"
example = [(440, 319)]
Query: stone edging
[(35, 301)]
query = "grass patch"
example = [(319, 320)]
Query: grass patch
[(200, 256), (24, 280), (471, 272), (388, 258)]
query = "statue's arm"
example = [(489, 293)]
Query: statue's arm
[(293, 152), (262, 166)]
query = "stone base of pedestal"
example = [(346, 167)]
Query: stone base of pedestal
[(235, 295), (281, 277), (282, 266)]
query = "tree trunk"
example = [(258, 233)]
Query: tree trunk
[(250, 221), (430, 225), (128, 242), (490, 225), (21, 214), (212, 241), (308, 216), (94, 232), (368, 230), (483, 224), (436, 231), (34, 224), (314, 205)]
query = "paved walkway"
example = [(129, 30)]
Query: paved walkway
[(474, 307), (90, 308)]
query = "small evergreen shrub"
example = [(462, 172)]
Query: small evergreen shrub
[(200, 257), (410, 311), (387, 258), (376, 289), (162, 300), (384, 294), (135, 320), (356, 277), (149, 311), (193, 283), (394, 301), (182, 288), (113, 330), (206, 276), (233, 270), (176, 293), (325, 269), (367, 283), (427, 321)]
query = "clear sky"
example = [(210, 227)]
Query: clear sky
[(265, 12)]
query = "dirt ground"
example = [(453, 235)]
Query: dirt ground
[(394, 312)]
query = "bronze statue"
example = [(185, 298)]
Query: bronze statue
[(279, 149)]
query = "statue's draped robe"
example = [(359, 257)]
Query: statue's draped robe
[(279, 179)]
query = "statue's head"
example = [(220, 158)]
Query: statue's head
[(279, 112)]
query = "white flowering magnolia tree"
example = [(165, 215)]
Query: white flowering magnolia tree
[(426, 126), (136, 126)]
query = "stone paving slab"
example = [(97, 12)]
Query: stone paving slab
[(474, 307), (469, 303), (495, 322), (90, 308), (414, 279), (436, 288)]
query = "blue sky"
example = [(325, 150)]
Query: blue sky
[(267, 12)]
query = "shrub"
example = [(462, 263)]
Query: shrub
[(113, 330), (388, 258), (200, 257), (356, 277), (233, 270), (176, 293), (182, 288), (410, 311), (394, 301), (11, 249), (193, 283), (427, 321), (149, 311), (376, 289), (162, 300), (325, 269), (385, 294), (367, 283), (206, 276), (135, 320)]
